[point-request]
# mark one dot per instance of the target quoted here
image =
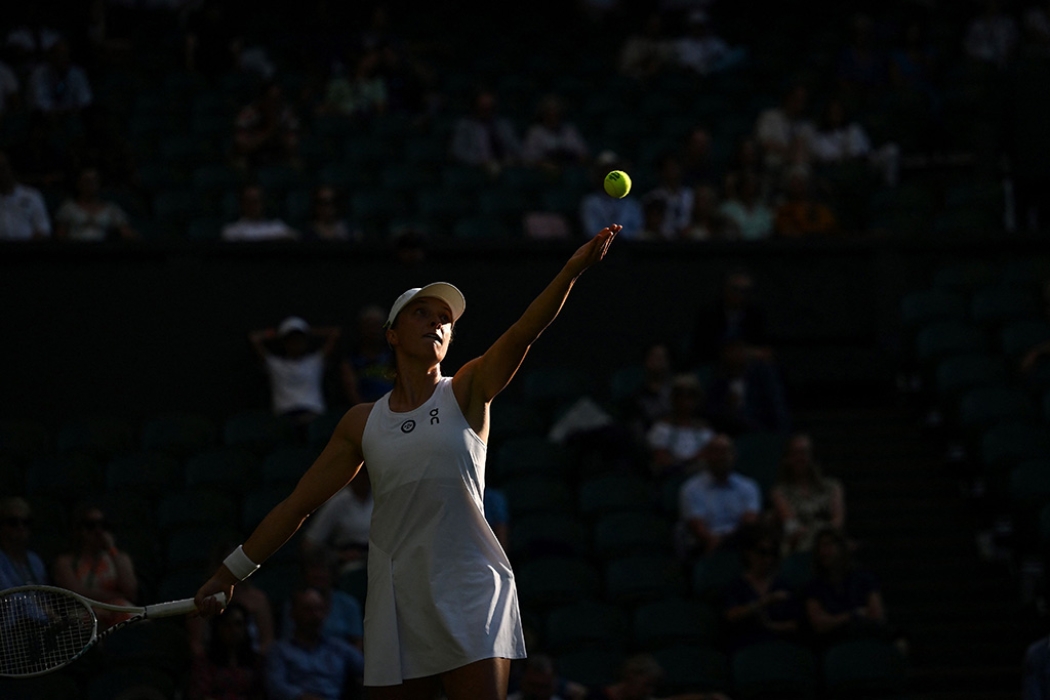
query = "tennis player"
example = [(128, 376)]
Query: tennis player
[(442, 607)]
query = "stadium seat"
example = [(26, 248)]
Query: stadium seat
[(149, 474), (551, 386), (23, 440), (640, 578), (257, 430), (590, 667), (796, 570), (609, 493), (406, 178), (374, 208), (277, 180), (529, 455), (632, 532), (963, 275), (714, 572), (692, 668), (926, 306), (345, 176), (533, 494), (180, 583), (935, 341), (998, 305), (65, 477), (179, 434), (1010, 442), (320, 429), (758, 455), (544, 534), (983, 406), (674, 621), (425, 152), (161, 645), (587, 624), (205, 228), (1018, 337), (464, 178), (864, 668), (60, 684), (956, 374), (179, 509), (625, 381), (510, 418), (285, 466), (775, 670), (233, 470), (97, 436), (258, 502), (215, 178), (480, 228), (278, 580), (552, 581), (364, 152), (191, 546)]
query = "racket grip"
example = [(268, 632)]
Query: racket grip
[(179, 607)]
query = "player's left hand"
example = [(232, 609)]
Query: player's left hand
[(593, 250)]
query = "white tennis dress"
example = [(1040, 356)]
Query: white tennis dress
[(441, 591)]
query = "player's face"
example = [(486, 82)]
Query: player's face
[(425, 326)]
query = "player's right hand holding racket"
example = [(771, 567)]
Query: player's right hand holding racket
[(222, 581)]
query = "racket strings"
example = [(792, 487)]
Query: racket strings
[(41, 630)]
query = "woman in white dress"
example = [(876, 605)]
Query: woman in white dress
[(442, 607)]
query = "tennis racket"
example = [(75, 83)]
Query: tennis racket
[(43, 628)]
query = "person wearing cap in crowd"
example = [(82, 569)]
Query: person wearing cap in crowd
[(442, 606), (295, 366), (597, 206)]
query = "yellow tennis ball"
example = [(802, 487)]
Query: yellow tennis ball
[(617, 184)]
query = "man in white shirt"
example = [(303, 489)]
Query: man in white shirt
[(23, 214), (253, 224), (57, 86), (296, 371)]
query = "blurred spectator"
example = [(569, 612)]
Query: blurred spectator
[(311, 664), (266, 131), (745, 393), (734, 314), (677, 440), (326, 221), (538, 681), (914, 65), (654, 214), (367, 369), (230, 669), (639, 677), (1036, 356), (19, 565), (344, 620), (95, 568), (700, 49), (1035, 676), (838, 141), (708, 223), (295, 366), (551, 142), (747, 159), (407, 81), (102, 145), (597, 208), (1036, 26), (651, 401), (715, 503), (37, 159), (697, 162), (410, 245), (10, 88), (210, 34), (340, 526), (28, 44), (648, 52), (862, 66), (23, 214), (804, 500), (57, 86), (676, 195), (357, 92), (745, 207), (842, 601), (992, 36), (252, 599), (484, 138), (253, 224), (785, 132), (87, 217), (758, 605), (497, 514), (800, 214)]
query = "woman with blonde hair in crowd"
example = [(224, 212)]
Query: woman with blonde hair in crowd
[(804, 500)]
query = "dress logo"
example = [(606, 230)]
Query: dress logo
[(434, 417), (408, 426)]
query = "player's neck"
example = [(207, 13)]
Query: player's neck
[(413, 388)]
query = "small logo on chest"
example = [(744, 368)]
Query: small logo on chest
[(408, 426)]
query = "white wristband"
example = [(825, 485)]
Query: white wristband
[(239, 564)]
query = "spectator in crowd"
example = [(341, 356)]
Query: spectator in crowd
[(497, 514), (676, 195), (992, 36), (551, 142), (340, 526), (654, 214), (408, 82), (257, 607), (842, 601), (801, 215), (745, 207), (295, 366), (311, 664), (700, 49), (367, 369), (10, 88), (758, 606), (230, 669), (344, 620), (648, 52), (326, 222), (95, 568), (745, 393), (253, 225), (677, 440), (28, 43), (734, 314), (484, 138), (88, 217), (39, 161), (538, 681), (1036, 27), (785, 132), (697, 160), (715, 503), (1035, 676), (209, 38), (19, 565), (639, 677), (58, 87), (651, 401), (23, 214), (597, 207), (839, 140), (266, 131), (708, 223), (359, 95), (862, 66), (914, 65), (804, 501), (104, 146)]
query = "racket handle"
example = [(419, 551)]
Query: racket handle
[(179, 607)]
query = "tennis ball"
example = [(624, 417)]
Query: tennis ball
[(617, 184)]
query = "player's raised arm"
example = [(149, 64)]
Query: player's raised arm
[(489, 374)]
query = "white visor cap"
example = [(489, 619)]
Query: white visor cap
[(439, 290)]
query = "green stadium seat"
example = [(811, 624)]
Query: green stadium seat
[(178, 509), (180, 583), (23, 440), (480, 228), (320, 429), (956, 374), (587, 624), (997, 305), (149, 474), (286, 465), (213, 178), (205, 228), (277, 180), (632, 532), (940, 339), (545, 534), (864, 668), (1011, 442), (758, 455), (713, 573), (179, 207), (190, 546), (611, 493), (528, 454), (179, 434), (692, 668), (775, 669), (346, 176), (983, 406), (963, 276), (375, 208), (532, 494), (364, 152), (796, 570), (128, 511), (590, 667), (258, 431), (675, 621), (926, 306), (66, 477), (158, 176), (298, 206), (406, 178), (625, 381), (641, 578), (60, 684), (1020, 336), (278, 580), (161, 646), (425, 151), (258, 502), (232, 470), (100, 437), (188, 150), (554, 581), (465, 178), (550, 386)]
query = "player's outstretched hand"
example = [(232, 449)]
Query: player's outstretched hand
[(593, 250), (208, 606)]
